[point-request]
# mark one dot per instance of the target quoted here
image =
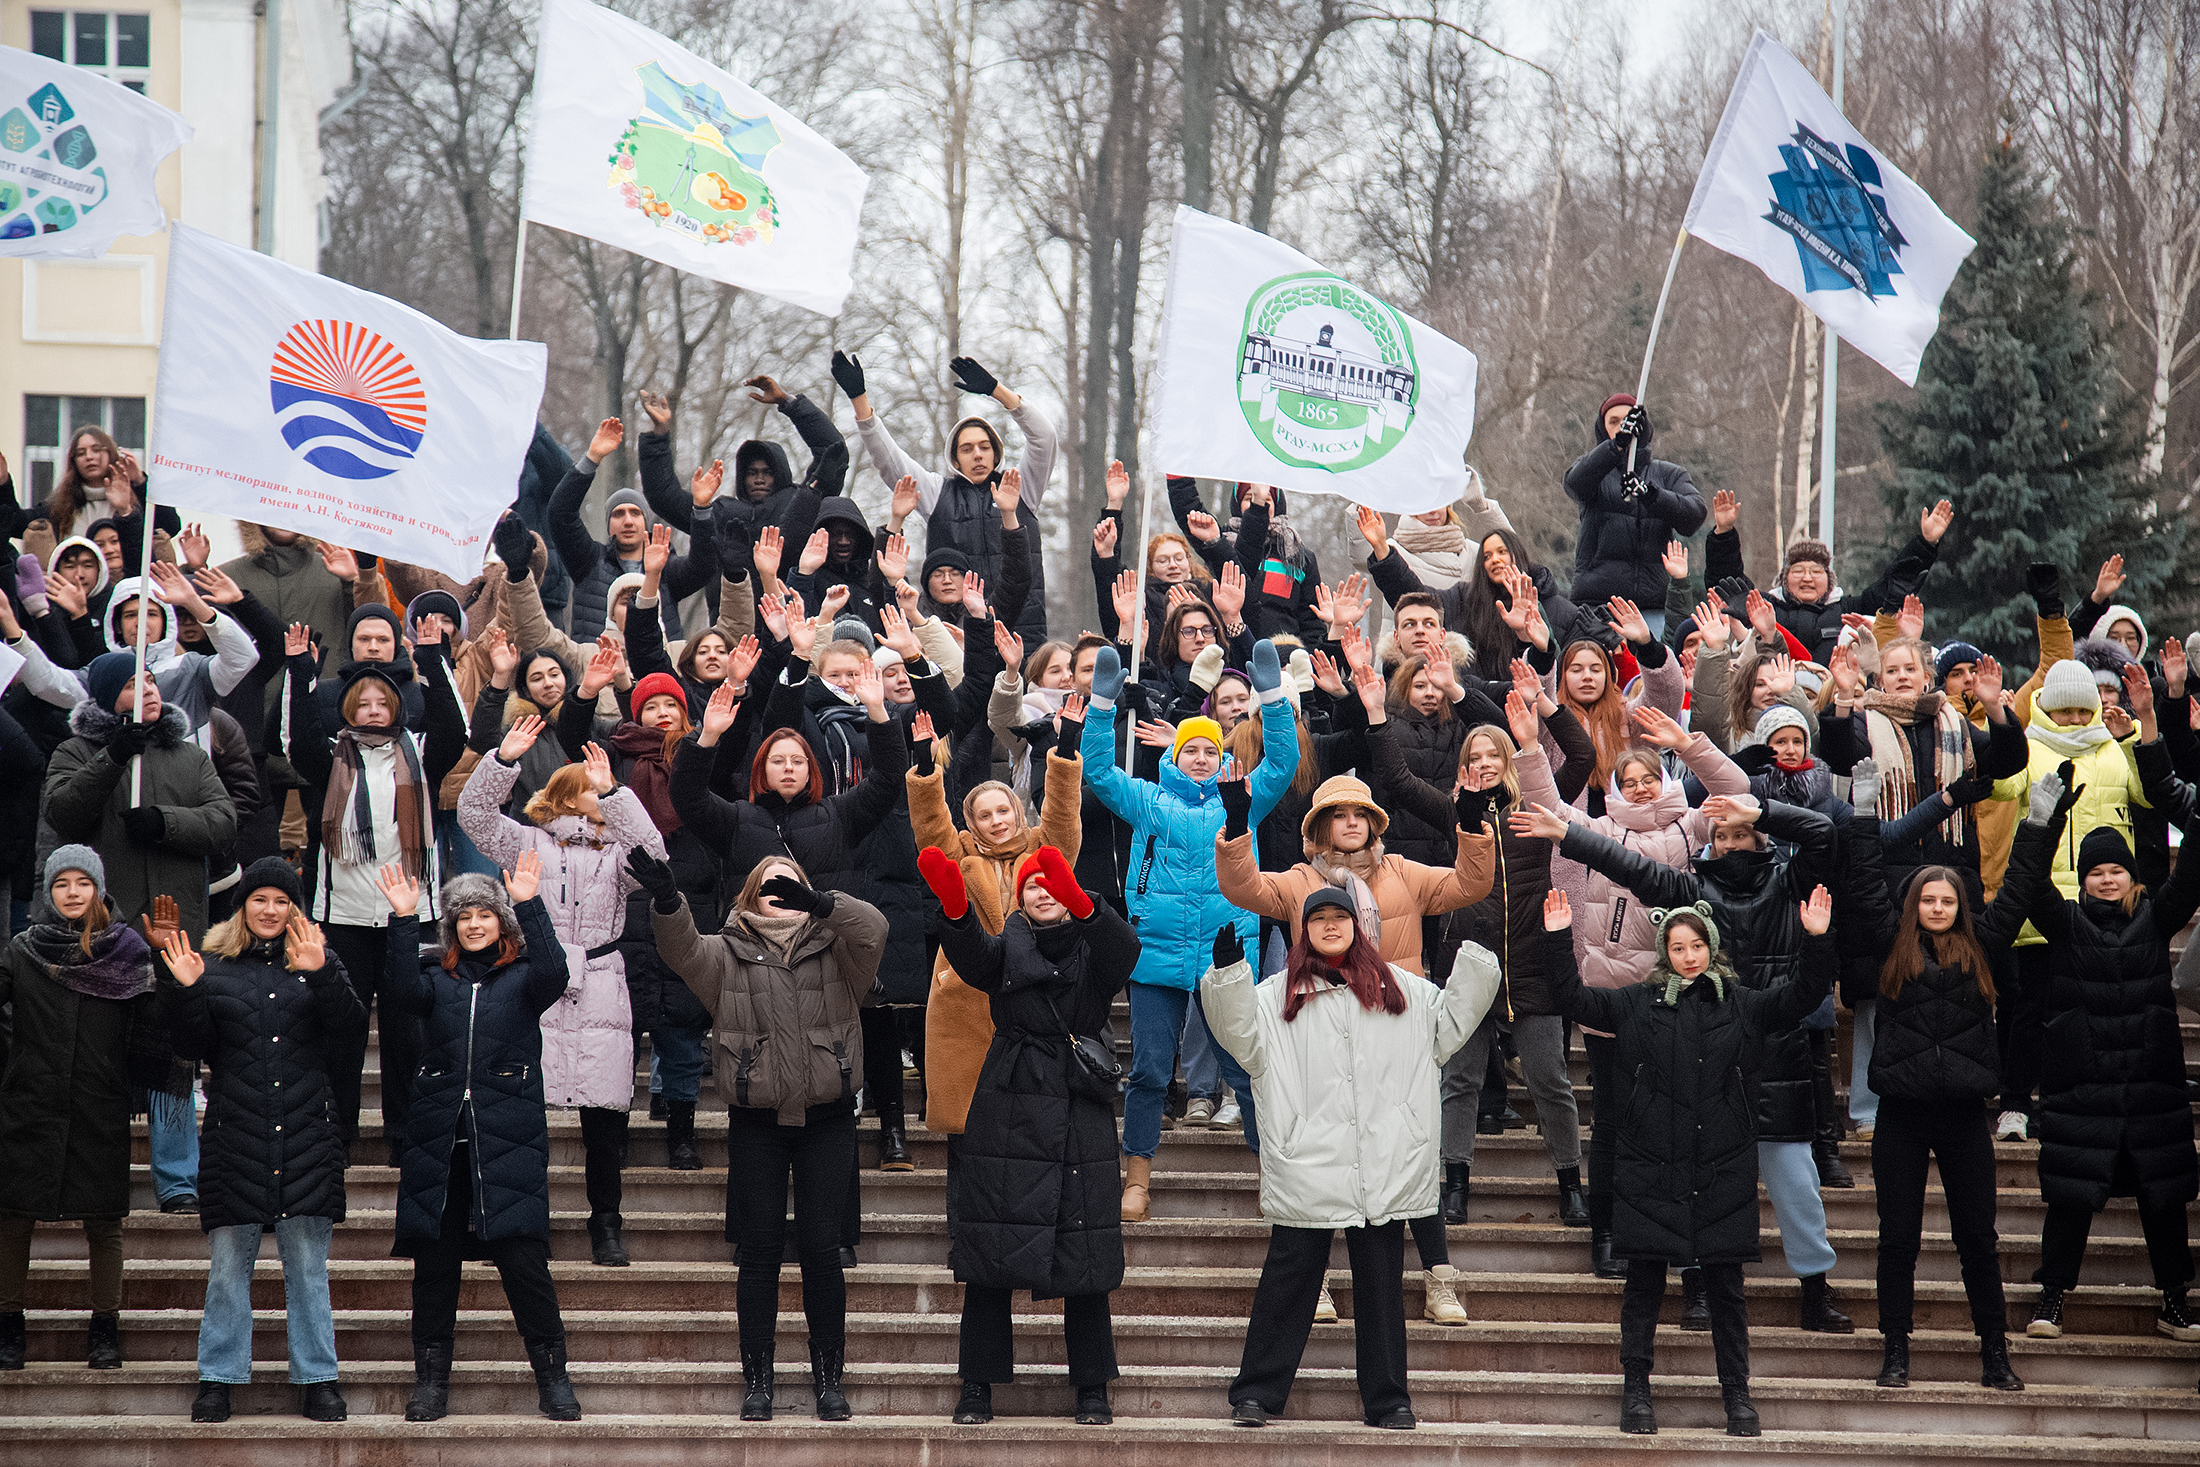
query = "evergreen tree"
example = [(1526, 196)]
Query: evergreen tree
[(2020, 420)]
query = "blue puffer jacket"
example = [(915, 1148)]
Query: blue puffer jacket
[(480, 1081), (1175, 898)]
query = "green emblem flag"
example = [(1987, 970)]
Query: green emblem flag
[(1277, 371), (78, 154), (642, 144)]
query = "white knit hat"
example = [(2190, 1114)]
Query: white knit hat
[(2068, 685)]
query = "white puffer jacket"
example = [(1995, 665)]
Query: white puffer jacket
[(1350, 1099)]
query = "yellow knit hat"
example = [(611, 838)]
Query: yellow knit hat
[(1201, 727)]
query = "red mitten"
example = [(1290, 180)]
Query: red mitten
[(1061, 883), (946, 880)]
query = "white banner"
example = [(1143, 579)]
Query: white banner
[(1276, 371), (291, 400), (643, 144), (77, 157), (1791, 187)]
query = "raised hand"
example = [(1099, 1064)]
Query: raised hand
[(659, 410), (1357, 654), (2138, 691), (1155, 734), (1005, 493), (829, 608), (185, 965), (921, 730), (304, 945), (772, 606), (974, 596), (905, 499), (339, 562), (1732, 807), (1104, 537), (1368, 683), (1537, 822), (801, 630), (197, 549), (1848, 678), (1520, 717), (177, 591), (1372, 531), (718, 713), (1260, 494), (398, 889), (1660, 730), (602, 670), (166, 917), (1125, 596), (2174, 666), (521, 736), (1558, 911), (524, 878), (765, 389), (814, 551), (848, 374), (503, 656), (1933, 523), (1230, 595), (1527, 684), (1521, 592), (1326, 676), (1986, 681), (1711, 622), (1628, 620), (1180, 595), (704, 484), (972, 378), (610, 433), (1350, 602), (1203, 526), (1780, 679), (1118, 484), (893, 558), (1725, 510), (871, 690), (597, 763), (1911, 618), (1763, 619), (217, 587), (1676, 559), (656, 553), (297, 639), (905, 600), (766, 557), (1009, 645), (1817, 913), (67, 595), (897, 635)]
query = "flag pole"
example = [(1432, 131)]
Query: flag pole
[(1829, 387), (519, 269), (1657, 319), (1138, 609), (145, 596)]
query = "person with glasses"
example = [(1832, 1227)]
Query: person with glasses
[(1193, 626)]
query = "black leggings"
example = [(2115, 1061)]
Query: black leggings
[(762, 1156), (1638, 1319), (603, 1143), (523, 1264), (1603, 1129), (1907, 1133), (988, 1348), (364, 952)]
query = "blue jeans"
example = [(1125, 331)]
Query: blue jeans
[(456, 851), (1791, 1181), (1157, 1021), (1202, 1064), (225, 1329), (676, 1062), (174, 1128), (1863, 1101)]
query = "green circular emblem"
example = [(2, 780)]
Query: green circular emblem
[(1326, 375)]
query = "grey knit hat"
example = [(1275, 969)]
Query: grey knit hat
[(1777, 717), (473, 890), (77, 858), (2068, 684)]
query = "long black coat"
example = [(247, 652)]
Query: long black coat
[(1685, 1182), (2112, 1077), (1622, 542), (480, 1081), (270, 1147), (1753, 896), (1034, 1199)]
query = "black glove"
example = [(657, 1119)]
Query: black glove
[(1070, 737), (1237, 804), (1473, 807), (848, 373), (1228, 950), (1635, 425), (793, 895), (1136, 698), (2044, 583), (130, 739), (1632, 487), (2068, 774), (736, 547), (514, 546), (920, 757), (1734, 590), (1968, 789), (972, 378), (366, 560), (145, 825), (654, 877)]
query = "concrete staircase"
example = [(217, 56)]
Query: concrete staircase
[(1532, 1380)]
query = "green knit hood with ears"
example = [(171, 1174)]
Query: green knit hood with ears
[(1719, 973)]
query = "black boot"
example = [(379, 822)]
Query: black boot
[(322, 1402), (893, 1147), (14, 1344), (431, 1398), (1695, 1305), (1832, 1171), (680, 1152), (211, 1405), (1573, 1208), (1894, 1369), (825, 1366), (606, 1248), (975, 1407), (1092, 1406), (1457, 1175), (756, 1382), (1637, 1417), (1741, 1412), (1994, 1371), (1601, 1261), (1825, 1146), (657, 1111), (553, 1388), (1818, 1312), (103, 1344)]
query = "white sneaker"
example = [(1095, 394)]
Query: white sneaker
[(1325, 1309), (1440, 1301), (1199, 1113), (2011, 1126), (1227, 1116)]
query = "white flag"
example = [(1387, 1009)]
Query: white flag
[(77, 157), (1790, 187), (291, 400), (643, 144), (1276, 371)]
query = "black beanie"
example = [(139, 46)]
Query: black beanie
[(271, 871), (2103, 845)]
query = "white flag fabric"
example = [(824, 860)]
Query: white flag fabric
[(77, 157), (288, 399), (642, 144), (1274, 370), (1792, 188)]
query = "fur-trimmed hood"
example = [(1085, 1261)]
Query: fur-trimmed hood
[(254, 539), (474, 890), (97, 725), (1388, 654)]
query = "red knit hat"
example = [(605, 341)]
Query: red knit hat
[(1617, 399), (1026, 869), (659, 682)]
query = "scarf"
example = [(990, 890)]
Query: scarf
[(347, 810), (2071, 743), (1442, 548), (649, 776), (118, 967), (1349, 871), (1885, 718), (1675, 985), (777, 931)]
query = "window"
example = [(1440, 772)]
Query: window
[(116, 44), (48, 423)]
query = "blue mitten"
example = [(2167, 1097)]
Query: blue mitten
[(1267, 667), (1107, 674)]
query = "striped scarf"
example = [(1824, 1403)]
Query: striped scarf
[(1885, 719), (347, 811)]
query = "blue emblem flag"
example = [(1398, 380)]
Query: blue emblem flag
[(1791, 187), (78, 159)]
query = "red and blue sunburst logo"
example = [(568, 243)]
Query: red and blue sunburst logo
[(347, 400)]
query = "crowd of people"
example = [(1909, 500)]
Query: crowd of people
[(813, 813)]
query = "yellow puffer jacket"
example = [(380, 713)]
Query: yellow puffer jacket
[(2109, 776)]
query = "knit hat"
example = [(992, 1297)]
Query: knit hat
[(464, 893), (2068, 684), (2104, 845), (77, 858), (2120, 612), (656, 683), (1816, 550), (883, 657), (947, 557), (1663, 918), (626, 497), (1195, 728), (1327, 896), (1953, 656), (106, 677), (372, 611), (1026, 869), (1617, 399), (1777, 717), (1338, 790), (852, 629), (271, 871)]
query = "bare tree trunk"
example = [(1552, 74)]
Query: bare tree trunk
[(959, 45), (1202, 63)]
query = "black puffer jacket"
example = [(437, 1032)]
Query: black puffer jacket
[(1817, 624), (822, 835), (2113, 1093), (1034, 1198), (270, 1147), (1685, 1184), (858, 571), (480, 1082), (1753, 897), (1621, 548)]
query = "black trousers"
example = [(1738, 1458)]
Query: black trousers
[(364, 953), (1429, 1240), (2020, 1016), (1603, 1129), (2062, 1237), (762, 1157), (882, 1082), (603, 1155), (1909, 1132), (523, 1264), (988, 1351), (1283, 1316), (1638, 1318)]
